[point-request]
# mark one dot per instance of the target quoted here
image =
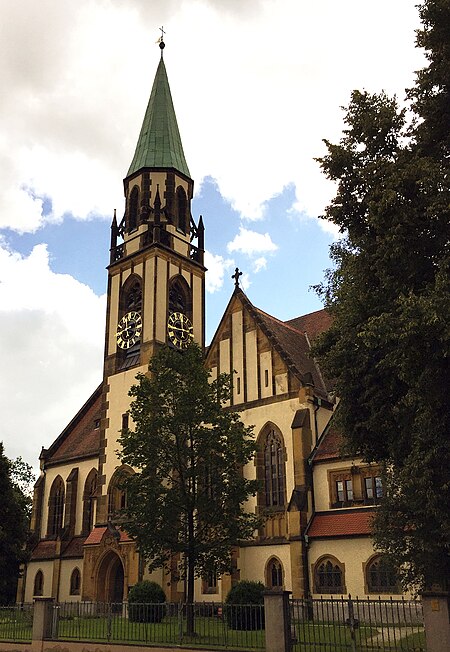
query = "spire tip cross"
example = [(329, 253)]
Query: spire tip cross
[(236, 276), (161, 38)]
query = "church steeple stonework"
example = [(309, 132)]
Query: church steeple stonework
[(158, 193), (156, 276)]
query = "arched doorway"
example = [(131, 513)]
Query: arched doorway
[(110, 579)]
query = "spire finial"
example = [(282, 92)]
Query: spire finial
[(162, 45), (236, 276)]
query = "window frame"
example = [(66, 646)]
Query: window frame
[(38, 588), (388, 589), (75, 586), (275, 567), (274, 470), (334, 563), (56, 507)]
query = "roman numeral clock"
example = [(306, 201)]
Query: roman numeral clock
[(179, 330), (129, 330)]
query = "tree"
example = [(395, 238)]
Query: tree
[(188, 496), (14, 512), (389, 346)]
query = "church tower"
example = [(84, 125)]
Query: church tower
[(156, 277)]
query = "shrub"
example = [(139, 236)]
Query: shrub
[(146, 603), (244, 606)]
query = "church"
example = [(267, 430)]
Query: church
[(316, 503)]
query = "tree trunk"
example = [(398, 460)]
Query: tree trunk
[(190, 624)]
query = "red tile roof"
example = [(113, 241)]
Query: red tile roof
[(44, 550), (330, 446), (313, 323), (75, 547), (98, 533), (294, 343), (80, 438), (341, 524)]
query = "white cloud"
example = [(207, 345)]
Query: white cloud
[(250, 242), (252, 105), (217, 267), (51, 346), (259, 264)]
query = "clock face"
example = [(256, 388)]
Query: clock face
[(180, 330), (129, 330)]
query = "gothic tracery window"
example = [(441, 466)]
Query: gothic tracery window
[(179, 296), (274, 574), (117, 495), (131, 295), (380, 576), (56, 507), (90, 488), (329, 576), (274, 470)]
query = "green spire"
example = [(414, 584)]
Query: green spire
[(159, 143)]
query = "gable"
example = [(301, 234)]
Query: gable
[(81, 437), (269, 358)]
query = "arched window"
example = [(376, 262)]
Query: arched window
[(274, 574), (133, 208), (89, 493), (329, 576), (274, 470), (179, 296), (131, 295), (182, 217), (380, 576), (38, 588), (117, 495), (55, 507), (75, 582)]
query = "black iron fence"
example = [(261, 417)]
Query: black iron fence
[(201, 624), (16, 623), (339, 624)]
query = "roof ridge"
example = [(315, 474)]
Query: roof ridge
[(279, 321), (308, 314)]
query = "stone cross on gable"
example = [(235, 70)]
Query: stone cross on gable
[(236, 276)]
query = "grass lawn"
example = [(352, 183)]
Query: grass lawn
[(332, 637), (15, 625), (209, 631)]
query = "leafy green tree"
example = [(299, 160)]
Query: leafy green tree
[(389, 346), (189, 493), (14, 512)]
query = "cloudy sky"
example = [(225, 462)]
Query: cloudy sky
[(257, 85)]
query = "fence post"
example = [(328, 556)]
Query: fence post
[(42, 618), (436, 615), (278, 621)]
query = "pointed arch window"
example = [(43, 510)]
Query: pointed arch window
[(381, 576), (75, 582), (38, 587), (131, 295), (89, 493), (56, 507), (329, 576), (179, 296), (117, 495), (182, 217), (274, 470), (274, 574), (133, 208)]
